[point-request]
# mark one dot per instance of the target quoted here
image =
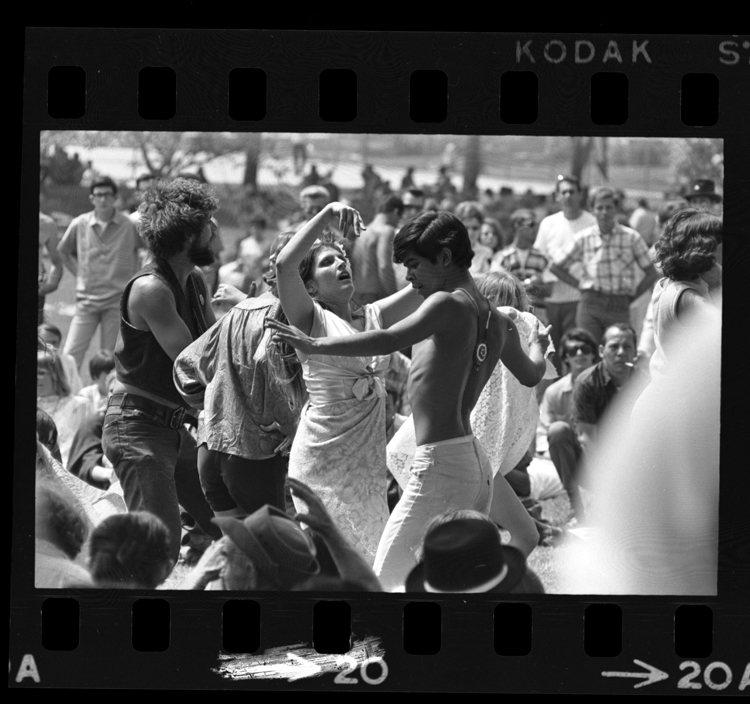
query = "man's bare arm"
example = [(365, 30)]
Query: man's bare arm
[(434, 316), (647, 281), (564, 275), (528, 369), (384, 253), (508, 511), (154, 303)]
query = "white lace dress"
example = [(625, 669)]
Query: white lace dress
[(504, 419)]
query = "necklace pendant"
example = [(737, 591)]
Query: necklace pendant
[(480, 354)]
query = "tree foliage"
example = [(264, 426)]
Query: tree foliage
[(698, 157)]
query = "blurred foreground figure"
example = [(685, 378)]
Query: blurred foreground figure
[(655, 516)]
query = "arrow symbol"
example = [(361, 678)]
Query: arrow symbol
[(654, 674), (309, 669)]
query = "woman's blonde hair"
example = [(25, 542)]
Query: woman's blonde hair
[(503, 289)]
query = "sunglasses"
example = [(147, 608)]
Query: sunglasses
[(529, 222), (573, 350)]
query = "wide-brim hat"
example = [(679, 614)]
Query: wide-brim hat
[(276, 544), (703, 188), (466, 556)]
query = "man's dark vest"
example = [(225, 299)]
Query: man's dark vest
[(139, 358)]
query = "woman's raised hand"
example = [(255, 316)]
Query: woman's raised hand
[(349, 218)]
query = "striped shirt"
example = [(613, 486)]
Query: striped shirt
[(609, 261)]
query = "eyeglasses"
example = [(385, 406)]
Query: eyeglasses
[(107, 194), (530, 222), (572, 350)]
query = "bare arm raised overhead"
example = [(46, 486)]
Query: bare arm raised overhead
[(294, 296)]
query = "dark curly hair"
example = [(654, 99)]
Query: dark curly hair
[(63, 523), (174, 211), (130, 549), (687, 247), (428, 233)]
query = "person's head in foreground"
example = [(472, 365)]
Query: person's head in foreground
[(50, 334), (431, 246), (178, 213), (578, 349), (466, 556), (130, 550), (50, 375), (266, 551), (687, 246)]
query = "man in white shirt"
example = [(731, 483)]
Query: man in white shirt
[(555, 235)]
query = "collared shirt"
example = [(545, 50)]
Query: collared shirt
[(595, 389), (225, 371), (556, 233), (609, 261), (107, 258), (53, 569), (522, 263)]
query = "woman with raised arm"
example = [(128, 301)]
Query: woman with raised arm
[(339, 448)]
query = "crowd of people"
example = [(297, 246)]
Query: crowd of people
[(349, 405)]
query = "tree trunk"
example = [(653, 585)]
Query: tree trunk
[(472, 166), (582, 147), (252, 158)]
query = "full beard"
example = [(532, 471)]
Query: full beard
[(201, 256)]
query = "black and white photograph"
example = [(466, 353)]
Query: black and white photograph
[(401, 363)]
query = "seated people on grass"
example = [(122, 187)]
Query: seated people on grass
[(594, 394), (53, 337), (555, 435), (54, 397)]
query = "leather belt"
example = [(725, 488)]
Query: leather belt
[(173, 417)]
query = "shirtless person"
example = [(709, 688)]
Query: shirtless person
[(457, 339), (164, 307)]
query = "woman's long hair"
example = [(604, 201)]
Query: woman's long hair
[(49, 360), (282, 358)]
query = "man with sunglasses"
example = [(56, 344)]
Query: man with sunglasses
[(555, 431), (100, 248)]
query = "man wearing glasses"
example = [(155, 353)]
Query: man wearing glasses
[(100, 248)]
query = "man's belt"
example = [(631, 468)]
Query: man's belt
[(173, 417)]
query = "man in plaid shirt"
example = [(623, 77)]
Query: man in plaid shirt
[(609, 253)]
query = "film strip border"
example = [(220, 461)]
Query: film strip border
[(430, 83), (509, 646)]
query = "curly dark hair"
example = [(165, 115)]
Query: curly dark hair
[(428, 233), (174, 211), (65, 526), (687, 247), (131, 549)]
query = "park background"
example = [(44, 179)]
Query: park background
[(254, 173)]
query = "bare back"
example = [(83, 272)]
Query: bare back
[(443, 384)]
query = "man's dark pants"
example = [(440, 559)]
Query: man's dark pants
[(157, 467)]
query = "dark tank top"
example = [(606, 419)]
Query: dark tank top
[(139, 358)]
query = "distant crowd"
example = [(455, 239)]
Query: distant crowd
[(346, 404)]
